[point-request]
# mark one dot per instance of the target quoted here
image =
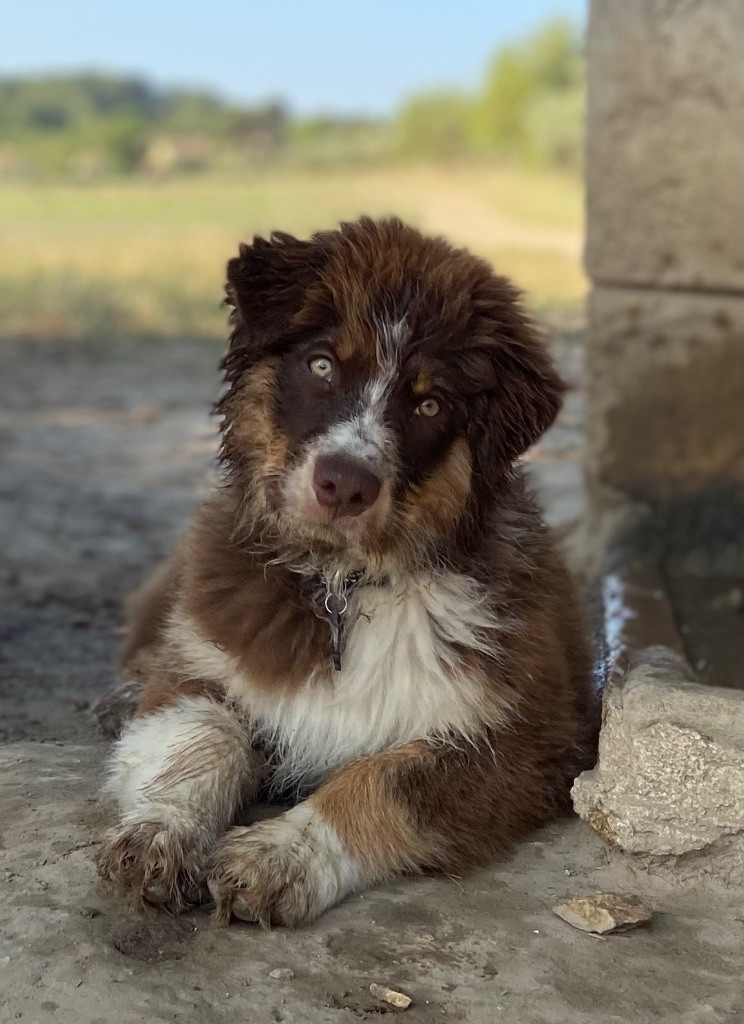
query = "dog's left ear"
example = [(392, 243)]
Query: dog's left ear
[(527, 391), (266, 283)]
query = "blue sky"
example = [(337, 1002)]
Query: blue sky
[(319, 55)]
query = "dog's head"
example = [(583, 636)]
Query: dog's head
[(381, 385)]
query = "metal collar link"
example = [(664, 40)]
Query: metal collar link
[(336, 603)]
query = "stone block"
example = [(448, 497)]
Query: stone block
[(665, 143), (665, 416), (670, 777)]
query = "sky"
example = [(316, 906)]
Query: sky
[(335, 56)]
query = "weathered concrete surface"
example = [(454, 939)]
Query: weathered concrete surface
[(482, 949), (665, 146), (666, 392), (665, 252), (670, 777), (104, 452)]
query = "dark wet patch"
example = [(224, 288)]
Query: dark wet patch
[(397, 914), (153, 941)]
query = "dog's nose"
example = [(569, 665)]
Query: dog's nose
[(344, 485)]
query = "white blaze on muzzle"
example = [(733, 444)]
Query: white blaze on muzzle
[(364, 436)]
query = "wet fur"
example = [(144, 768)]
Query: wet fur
[(462, 711)]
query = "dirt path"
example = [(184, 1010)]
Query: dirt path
[(103, 452)]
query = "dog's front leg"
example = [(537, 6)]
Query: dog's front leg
[(178, 775), (416, 807)]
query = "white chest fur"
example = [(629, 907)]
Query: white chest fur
[(400, 679)]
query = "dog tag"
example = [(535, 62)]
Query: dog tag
[(336, 640), (335, 605)]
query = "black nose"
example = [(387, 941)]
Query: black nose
[(344, 485)]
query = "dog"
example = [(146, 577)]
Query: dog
[(367, 619)]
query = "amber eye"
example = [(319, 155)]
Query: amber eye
[(322, 367), (429, 407)]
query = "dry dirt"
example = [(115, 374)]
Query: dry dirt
[(104, 452)]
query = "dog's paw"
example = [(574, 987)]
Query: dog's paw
[(153, 866), (117, 707), (285, 871)]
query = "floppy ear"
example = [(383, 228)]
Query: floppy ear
[(526, 389), (266, 283)]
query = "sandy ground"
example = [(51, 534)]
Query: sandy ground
[(104, 451)]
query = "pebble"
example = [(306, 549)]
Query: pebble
[(282, 974), (603, 912), (389, 995)]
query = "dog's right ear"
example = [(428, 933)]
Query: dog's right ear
[(266, 283)]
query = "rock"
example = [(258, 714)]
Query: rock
[(282, 974), (669, 782), (389, 995), (604, 912)]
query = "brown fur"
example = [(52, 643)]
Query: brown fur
[(384, 836), (435, 806), (438, 502), (455, 501), (260, 614), (146, 611)]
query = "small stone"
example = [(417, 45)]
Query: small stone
[(389, 995), (603, 912), (282, 974)]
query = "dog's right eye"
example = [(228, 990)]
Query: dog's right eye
[(322, 367)]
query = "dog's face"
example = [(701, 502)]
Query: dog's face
[(381, 384)]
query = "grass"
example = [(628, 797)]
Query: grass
[(147, 257)]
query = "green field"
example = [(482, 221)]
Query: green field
[(143, 257)]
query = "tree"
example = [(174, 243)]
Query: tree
[(523, 83), (436, 126)]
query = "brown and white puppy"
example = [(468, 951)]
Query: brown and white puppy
[(368, 615)]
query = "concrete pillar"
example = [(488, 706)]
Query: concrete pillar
[(665, 250), (665, 254)]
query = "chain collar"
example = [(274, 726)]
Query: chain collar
[(334, 592)]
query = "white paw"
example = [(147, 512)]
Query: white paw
[(284, 871), (153, 865)]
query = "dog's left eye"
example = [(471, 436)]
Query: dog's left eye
[(429, 407), (321, 366)]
